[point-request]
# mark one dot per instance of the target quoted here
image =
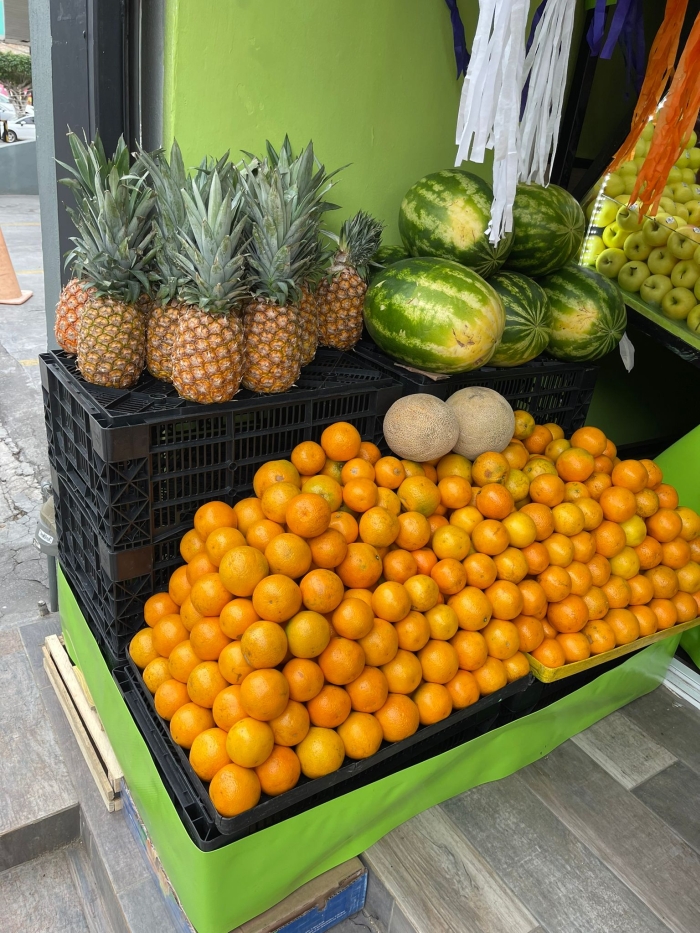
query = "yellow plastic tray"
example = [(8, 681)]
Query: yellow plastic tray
[(549, 674)]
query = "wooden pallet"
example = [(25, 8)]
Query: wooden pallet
[(74, 696)]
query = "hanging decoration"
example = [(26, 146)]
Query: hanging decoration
[(459, 38), (627, 29)]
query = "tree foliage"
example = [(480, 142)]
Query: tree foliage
[(16, 76)]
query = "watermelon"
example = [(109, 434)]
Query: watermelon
[(548, 228), (434, 315), (527, 319), (446, 215), (587, 313), (385, 256)]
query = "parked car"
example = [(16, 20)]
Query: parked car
[(23, 128)]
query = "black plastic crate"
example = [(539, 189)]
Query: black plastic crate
[(144, 459), (549, 389), (210, 830)]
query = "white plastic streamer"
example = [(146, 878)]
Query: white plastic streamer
[(627, 353)]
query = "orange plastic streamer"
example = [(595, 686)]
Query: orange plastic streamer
[(676, 119), (659, 69)]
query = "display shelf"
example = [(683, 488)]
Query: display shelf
[(673, 335)]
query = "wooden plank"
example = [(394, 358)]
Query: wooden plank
[(671, 722), (624, 750), (633, 842), (104, 786), (442, 883), (546, 866), (89, 716), (674, 795)]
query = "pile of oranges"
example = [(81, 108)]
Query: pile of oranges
[(356, 595)]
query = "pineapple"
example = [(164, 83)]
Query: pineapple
[(68, 310), (111, 254), (207, 361), (341, 296)]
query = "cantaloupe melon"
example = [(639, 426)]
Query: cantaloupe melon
[(420, 427), (486, 421)]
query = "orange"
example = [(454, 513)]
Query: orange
[(664, 580), (689, 577), (442, 621), (647, 618), (205, 682), (399, 566), (618, 504), (534, 598), (437, 521), (538, 440), (530, 633), (403, 673), (686, 607), (233, 666), (363, 594), (288, 554), (341, 661), (451, 541), (617, 592), (489, 467), (581, 578), (291, 726), (353, 618), (624, 625), (381, 644), (275, 500), (625, 564), (270, 474), (379, 527), (641, 590), (518, 485), (455, 492), (536, 557), (213, 515), (516, 455), (305, 679), (695, 549), (159, 605), (536, 466), (560, 549), (491, 676), (524, 424), (591, 439), (423, 592), (412, 468), (360, 494), (547, 489), (454, 465), (654, 473), (631, 474), (463, 690), (341, 441), (568, 519), (219, 542), (201, 565), (575, 465), (473, 608), (241, 570), (556, 448), (191, 544), (550, 653), (502, 639), (228, 709), (370, 452), (142, 647), (434, 702), (398, 717), (430, 471), (665, 612), (309, 458), (361, 567), (664, 525), (208, 753), (170, 696), (357, 468), (584, 546), (387, 499), (506, 599), (542, 517), (308, 514), (332, 469), (179, 586), (264, 644), (346, 525), (208, 640), (425, 560), (591, 511), (597, 483), (361, 734), (516, 667), (449, 575), (234, 790), (413, 632), (189, 615), (330, 707), (325, 487), (603, 465), (675, 554), (549, 630), (236, 616), (439, 661), (494, 501), (609, 539), (471, 649), (157, 672), (573, 491), (369, 691), (189, 721), (264, 694), (690, 523), (521, 529), (467, 518), (248, 511), (307, 633), (575, 645), (168, 633), (490, 537), (321, 752), (249, 742), (649, 553), (481, 570), (597, 603), (262, 532), (419, 494), (279, 772), (555, 582), (277, 598), (647, 502), (568, 615), (610, 449)]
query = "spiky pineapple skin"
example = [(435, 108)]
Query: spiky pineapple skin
[(70, 305), (340, 303), (161, 332), (308, 325), (207, 356), (272, 350), (111, 343)]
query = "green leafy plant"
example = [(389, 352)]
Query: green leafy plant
[(16, 76)]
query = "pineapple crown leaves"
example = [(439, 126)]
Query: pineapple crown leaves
[(212, 261), (90, 158), (360, 238)]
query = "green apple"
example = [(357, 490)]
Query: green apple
[(696, 287), (632, 274), (647, 132), (682, 192), (636, 247), (688, 176), (667, 205), (609, 262), (683, 160), (693, 319), (677, 303), (654, 288), (681, 211), (592, 248), (629, 218), (657, 231), (680, 221), (641, 150), (685, 274), (614, 185), (674, 176), (605, 213), (628, 168), (629, 181), (695, 188), (661, 261), (691, 140), (693, 208), (683, 242), (622, 198), (614, 237), (694, 158), (667, 192), (639, 163)]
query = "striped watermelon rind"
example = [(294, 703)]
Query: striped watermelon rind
[(386, 256), (446, 215), (526, 333), (434, 315), (548, 227), (587, 313)]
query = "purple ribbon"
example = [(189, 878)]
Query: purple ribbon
[(460, 40), (633, 47), (533, 26), (597, 27), (618, 21)]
